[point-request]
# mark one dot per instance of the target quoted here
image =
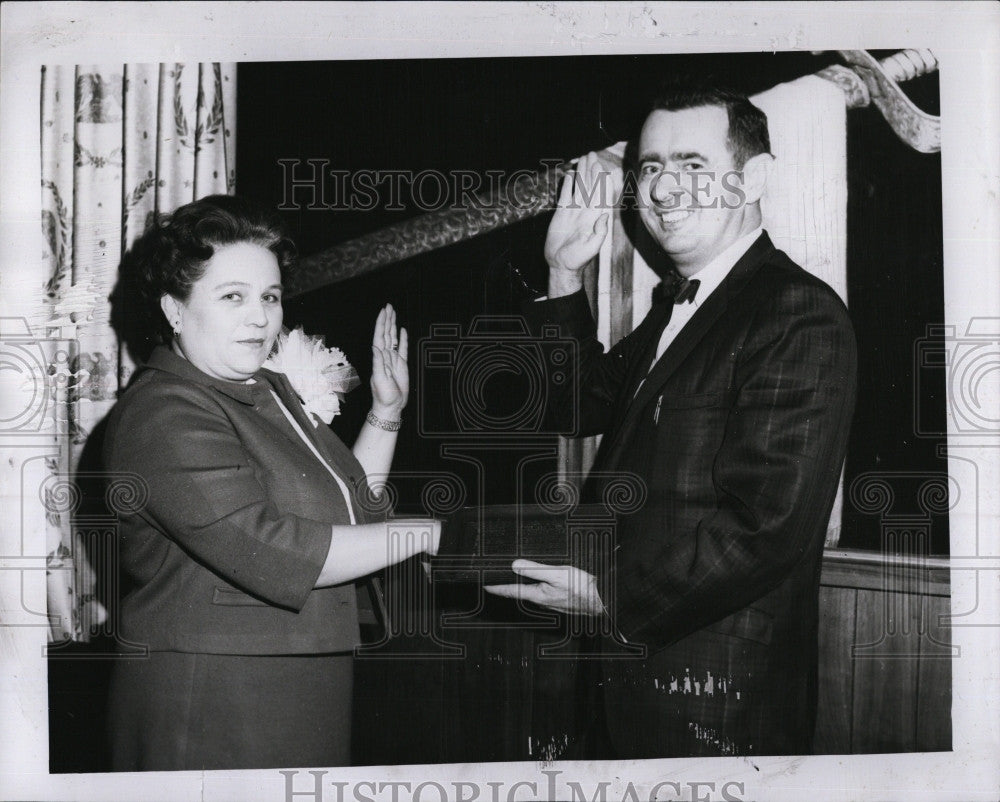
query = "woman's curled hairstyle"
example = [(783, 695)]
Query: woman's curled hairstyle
[(171, 254)]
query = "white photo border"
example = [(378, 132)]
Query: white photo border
[(964, 36)]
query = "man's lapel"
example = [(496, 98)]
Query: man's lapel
[(663, 310), (693, 332)]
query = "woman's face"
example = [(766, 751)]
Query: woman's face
[(233, 314)]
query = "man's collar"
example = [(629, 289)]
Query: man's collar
[(712, 274), (163, 358)]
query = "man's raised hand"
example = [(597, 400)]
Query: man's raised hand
[(580, 224)]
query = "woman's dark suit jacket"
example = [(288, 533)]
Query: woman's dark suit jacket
[(234, 523)]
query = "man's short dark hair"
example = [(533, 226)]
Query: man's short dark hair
[(748, 134)]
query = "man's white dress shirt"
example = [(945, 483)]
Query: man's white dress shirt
[(710, 277)]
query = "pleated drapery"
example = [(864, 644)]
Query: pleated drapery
[(118, 145)]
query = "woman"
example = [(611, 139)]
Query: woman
[(244, 553)]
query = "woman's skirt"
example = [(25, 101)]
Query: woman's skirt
[(208, 711)]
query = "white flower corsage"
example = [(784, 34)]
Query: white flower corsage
[(320, 375)]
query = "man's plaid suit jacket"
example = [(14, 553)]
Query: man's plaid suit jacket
[(739, 433)]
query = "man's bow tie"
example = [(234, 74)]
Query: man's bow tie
[(685, 290), (679, 290)]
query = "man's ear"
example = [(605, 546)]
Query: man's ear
[(756, 172)]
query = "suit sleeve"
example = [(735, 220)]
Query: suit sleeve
[(775, 476), (585, 405), (204, 494)]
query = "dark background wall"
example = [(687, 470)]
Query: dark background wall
[(510, 114)]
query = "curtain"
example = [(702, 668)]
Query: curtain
[(804, 211), (118, 145)]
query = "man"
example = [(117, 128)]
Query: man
[(732, 400)]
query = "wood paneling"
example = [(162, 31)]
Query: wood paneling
[(886, 650), (887, 620), (934, 680), (866, 570), (834, 712)]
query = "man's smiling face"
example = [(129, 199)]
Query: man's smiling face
[(687, 179)]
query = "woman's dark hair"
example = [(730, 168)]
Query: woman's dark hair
[(172, 253)]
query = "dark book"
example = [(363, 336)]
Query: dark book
[(478, 544)]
